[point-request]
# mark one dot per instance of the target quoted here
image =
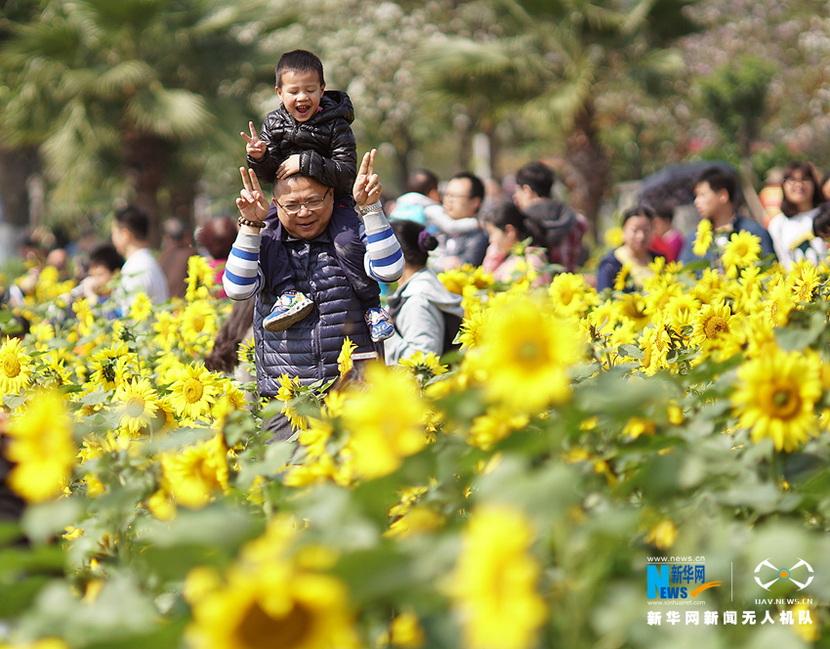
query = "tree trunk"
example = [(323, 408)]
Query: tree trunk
[(146, 159), (16, 166), (589, 167)]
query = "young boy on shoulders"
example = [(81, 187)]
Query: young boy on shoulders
[(311, 134)]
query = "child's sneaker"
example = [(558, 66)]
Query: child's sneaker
[(380, 324), (292, 306)]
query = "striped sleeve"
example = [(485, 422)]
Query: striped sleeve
[(384, 259), (242, 272)]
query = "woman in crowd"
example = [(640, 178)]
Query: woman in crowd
[(633, 255), (426, 315), (217, 237), (666, 241), (507, 227), (792, 229)]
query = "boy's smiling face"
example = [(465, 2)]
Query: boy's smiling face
[(300, 92)]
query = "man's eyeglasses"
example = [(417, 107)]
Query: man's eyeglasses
[(457, 196), (292, 209)]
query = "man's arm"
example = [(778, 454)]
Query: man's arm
[(242, 277), (384, 259)]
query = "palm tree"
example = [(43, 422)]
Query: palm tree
[(549, 61), (130, 95)]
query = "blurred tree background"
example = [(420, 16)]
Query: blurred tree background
[(110, 101)]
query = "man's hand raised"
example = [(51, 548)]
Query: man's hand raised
[(251, 202)]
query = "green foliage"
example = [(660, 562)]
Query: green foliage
[(735, 96)]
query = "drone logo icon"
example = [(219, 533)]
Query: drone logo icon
[(783, 574)]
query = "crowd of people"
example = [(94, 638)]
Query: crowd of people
[(324, 258)]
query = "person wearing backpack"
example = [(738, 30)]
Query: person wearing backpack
[(563, 228), (426, 316)]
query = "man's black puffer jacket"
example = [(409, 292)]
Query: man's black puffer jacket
[(325, 143)]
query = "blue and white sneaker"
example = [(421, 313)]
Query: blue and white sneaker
[(380, 324), (292, 306)]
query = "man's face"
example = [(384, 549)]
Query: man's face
[(301, 93), (118, 237), (458, 202), (709, 202), (523, 196), (298, 219)]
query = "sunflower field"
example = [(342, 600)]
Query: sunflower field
[(590, 471)]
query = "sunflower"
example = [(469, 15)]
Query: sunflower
[(380, 436), (141, 308), (470, 331), (344, 359), (633, 307), (570, 294), (15, 367), (247, 352), (193, 392), (680, 310), (804, 280), (622, 277), (494, 426), (662, 535), (709, 287), (111, 365), (166, 328), (199, 279), (776, 396), (43, 333), (424, 366), (525, 355), (290, 389), (779, 303), (659, 290), (494, 583), (85, 316), (52, 371), (197, 320), (272, 604), (656, 344), (742, 250), (716, 327), (604, 316), (41, 446), (139, 404), (703, 238), (196, 473)]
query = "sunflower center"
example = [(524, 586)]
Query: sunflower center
[(193, 390), (715, 326), (528, 351), (786, 403), (135, 407), (11, 366), (258, 629)]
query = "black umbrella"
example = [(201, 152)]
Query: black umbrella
[(674, 185)]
